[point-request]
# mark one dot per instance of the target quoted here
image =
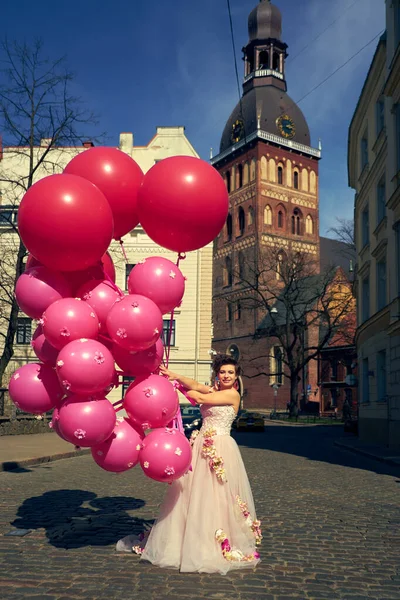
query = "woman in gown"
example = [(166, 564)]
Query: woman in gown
[(207, 522)]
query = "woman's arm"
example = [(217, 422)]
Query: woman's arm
[(188, 383), (224, 398)]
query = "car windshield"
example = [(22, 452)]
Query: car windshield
[(188, 411)]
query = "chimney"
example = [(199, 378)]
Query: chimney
[(88, 144), (126, 142)]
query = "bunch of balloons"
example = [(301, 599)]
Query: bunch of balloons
[(87, 325)]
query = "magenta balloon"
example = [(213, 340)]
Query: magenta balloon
[(39, 287), (34, 388), (121, 451), (67, 320), (54, 424), (42, 348), (85, 367), (103, 269), (166, 455), (135, 323), (86, 422), (160, 280), (151, 401), (101, 296), (139, 363)]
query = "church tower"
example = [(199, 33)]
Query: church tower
[(271, 173)]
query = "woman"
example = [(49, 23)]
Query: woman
[(207, 522)]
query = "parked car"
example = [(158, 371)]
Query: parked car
[(246, 420), (191, 419)]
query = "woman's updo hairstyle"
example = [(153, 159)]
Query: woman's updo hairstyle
[(224, 359)]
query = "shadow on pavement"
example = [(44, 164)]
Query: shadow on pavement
[(314, 443), (78, 518)]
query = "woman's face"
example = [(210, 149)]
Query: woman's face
[(227, 376)]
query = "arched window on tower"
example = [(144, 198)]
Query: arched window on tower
[(241, 263), (296, 222), (228, 181), (229, 227), (296, 180), (250, 216), (280, 175), (239, 176), (309, 224), (267, 215), (228, 313), (280, 219), (275, 61), (280, 264), (227, 271), (241, 221), (238, 311), (263, 60)]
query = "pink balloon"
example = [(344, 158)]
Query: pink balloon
[(166, 455), (43, 349), (101, 296), (86, 422), (104, 269), (135, 323), (85, 367), (160, 280), (121, 451), (39, 287), (34, 388), (54, 424), (151, 401), (67, 320), (139, 363)]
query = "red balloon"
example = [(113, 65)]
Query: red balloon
[(65, 222), (118, 176), (183, 203), (104, 269)]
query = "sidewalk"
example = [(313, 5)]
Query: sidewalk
[(353, 444), (17, 451)]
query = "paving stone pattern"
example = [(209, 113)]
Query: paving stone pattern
[(330, 523)]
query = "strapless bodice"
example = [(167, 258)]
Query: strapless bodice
[(218, 418)]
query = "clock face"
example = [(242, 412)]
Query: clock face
[(286, 126), (237, 131)]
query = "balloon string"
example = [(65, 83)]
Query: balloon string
[(121, 243), (181, 256)]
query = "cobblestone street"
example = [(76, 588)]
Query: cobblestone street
[(330, 524)]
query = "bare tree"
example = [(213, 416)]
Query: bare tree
[(297, 307), (343, 231), (38, 117)]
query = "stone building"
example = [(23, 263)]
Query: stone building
[(374, 166), (191, 330)]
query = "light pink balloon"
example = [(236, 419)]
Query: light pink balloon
[(67, 320), (86, 422), (121, 451), (151, 401), (39, 287), (101, 296), (34, 388), (42, 348), (139, 363), (135, 323), (54, 424), (166, 455), (85, 367), (160, 280)]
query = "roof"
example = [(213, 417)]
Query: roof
[(334, 253)]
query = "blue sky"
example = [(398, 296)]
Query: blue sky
[(143, 63)]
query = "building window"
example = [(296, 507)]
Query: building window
[(334, 368), (296, 228), (250, 216), (397, 124), (238, 311), (228, 181), (365, 381), (227, 279), (381, 200), (381, 375), (241, 265), (228, 312), (380, 115), (296, 180), (278, 365), (229, 228), (365, 227), (240, 176), (241, 221), (381, 284), (396, 6), (280, 175), (279, 265), (365, 300), (8, 216), (128, 269), (309, 224), (168, 334), (24, 331), (267, 215), (280, 219), (126, 382), (364, 151), (397, 259)]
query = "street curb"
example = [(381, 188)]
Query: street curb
[(383, 459), (12, 465)]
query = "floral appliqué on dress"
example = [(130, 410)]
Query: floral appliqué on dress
[(209, 451), (233, 554)]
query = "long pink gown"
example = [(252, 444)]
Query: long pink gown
[(207, 521)]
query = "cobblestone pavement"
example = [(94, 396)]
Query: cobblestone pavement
[(330, 523)]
